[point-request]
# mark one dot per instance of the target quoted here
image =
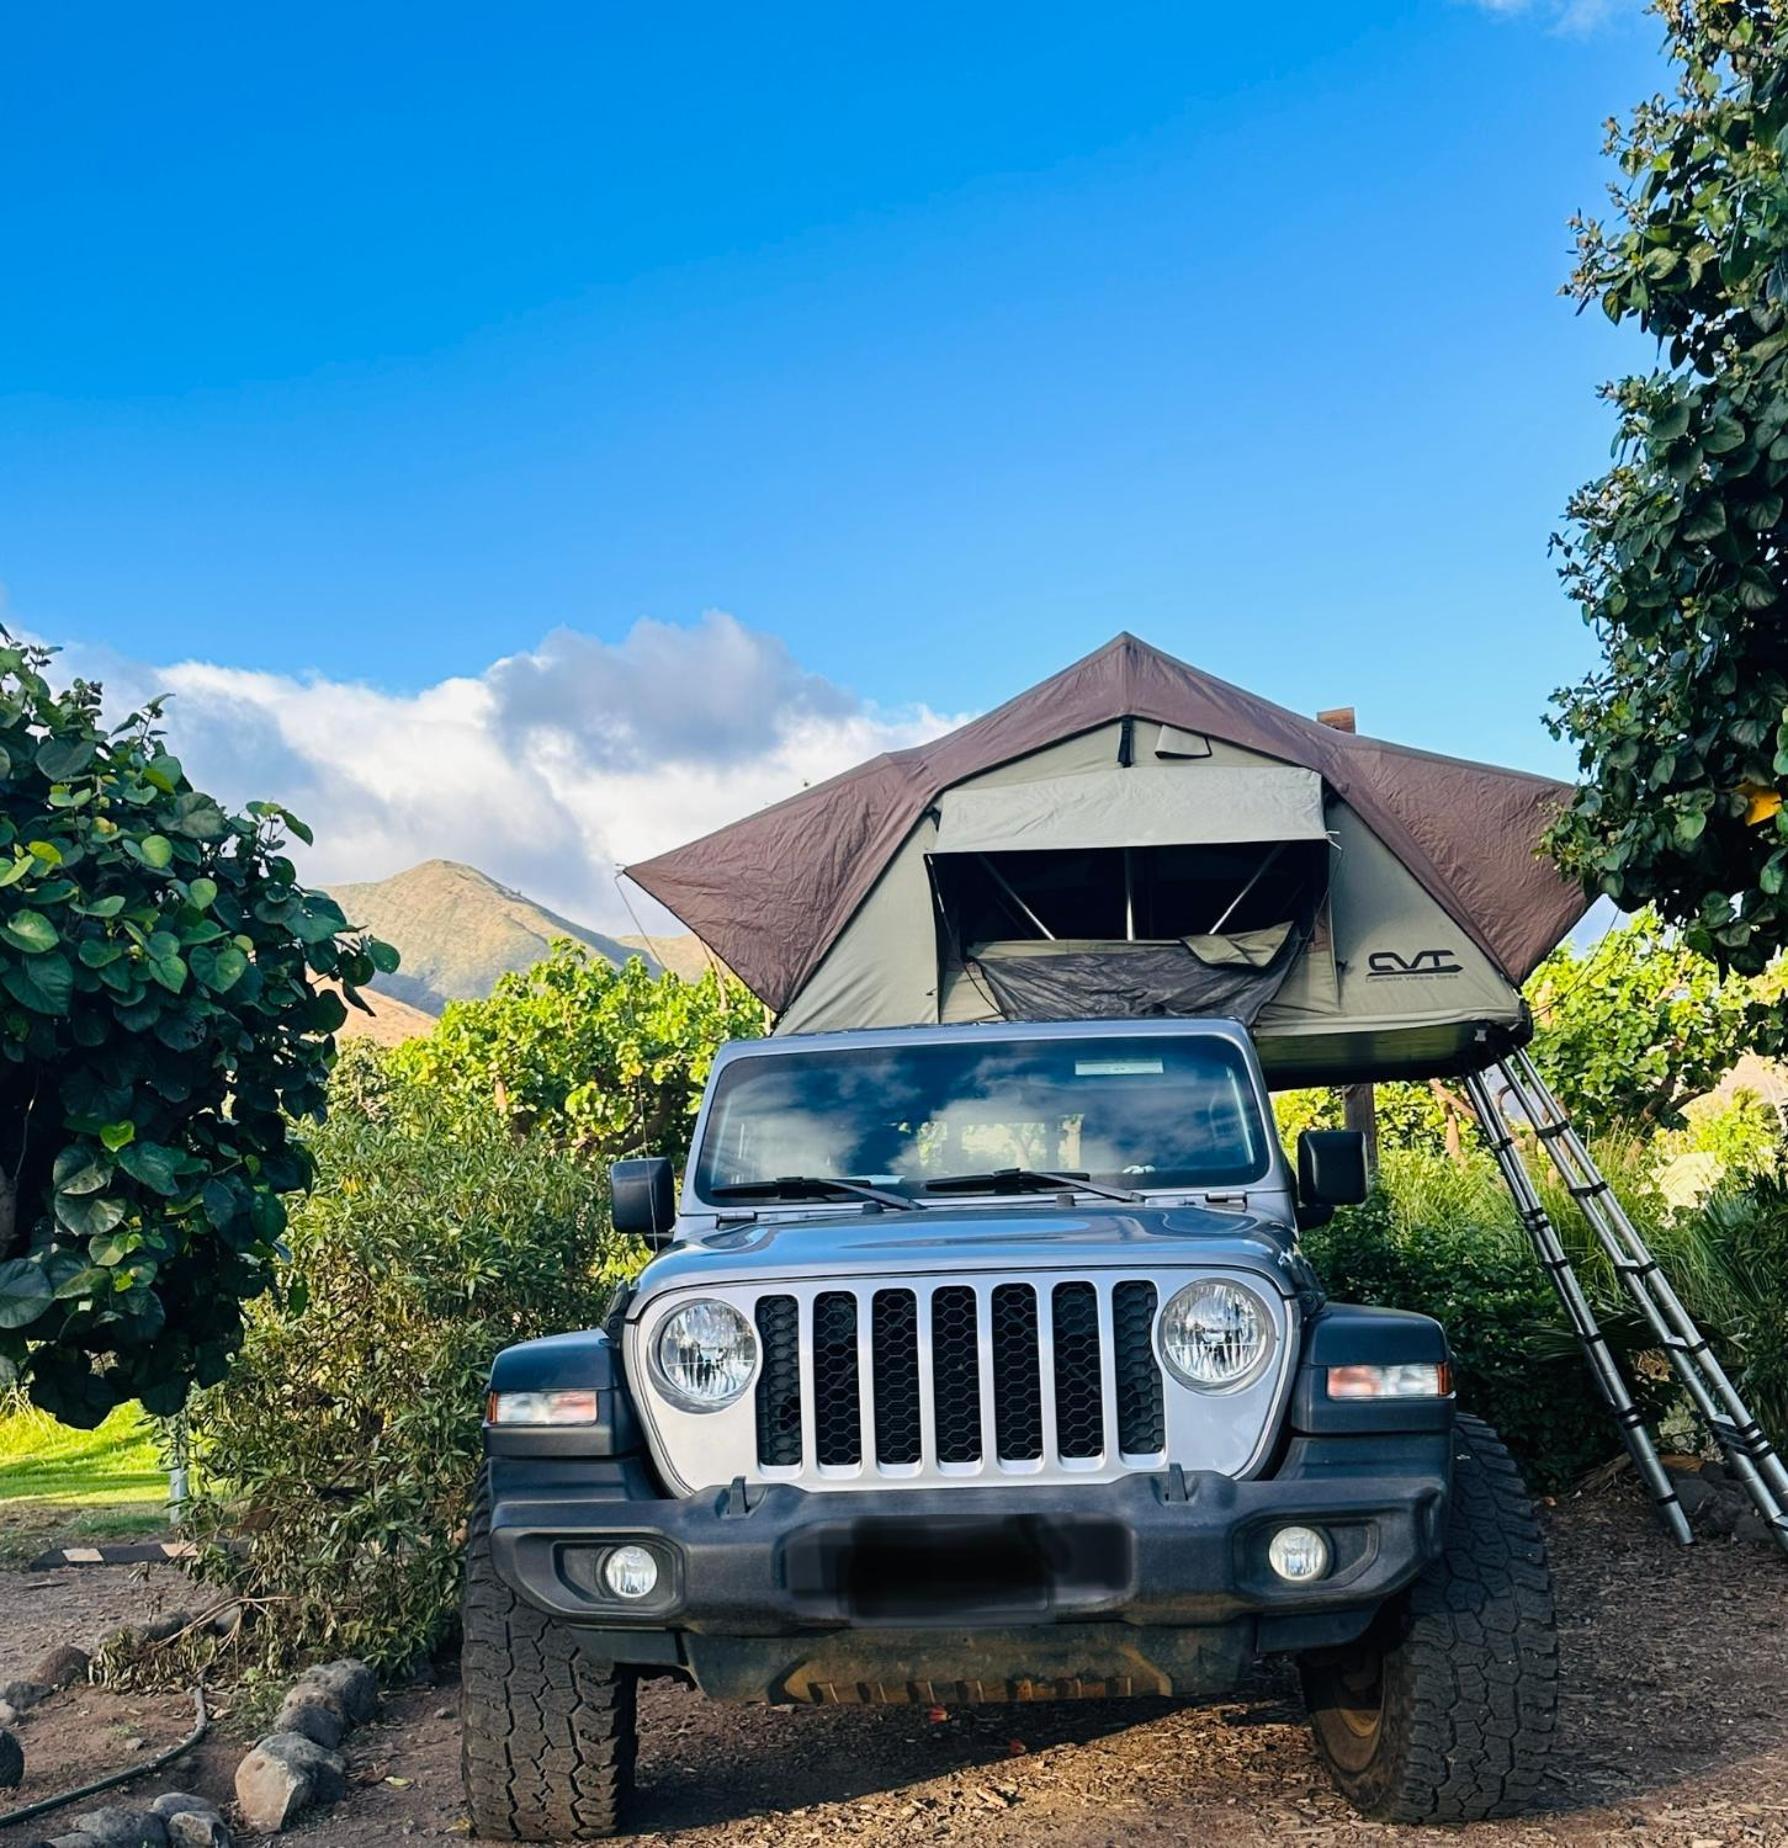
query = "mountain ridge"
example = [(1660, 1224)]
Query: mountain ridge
[(458, 930)]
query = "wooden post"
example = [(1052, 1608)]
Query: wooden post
[(1359, 1102)]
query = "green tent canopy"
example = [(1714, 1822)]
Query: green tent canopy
[(1134, 838)]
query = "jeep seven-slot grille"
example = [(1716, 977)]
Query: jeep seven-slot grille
[(999, 1328)]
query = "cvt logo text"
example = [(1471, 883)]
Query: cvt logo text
[(1423, 962)]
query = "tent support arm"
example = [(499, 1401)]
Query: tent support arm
[(999, 879), (1254, 879)]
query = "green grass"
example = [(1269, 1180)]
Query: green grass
[(43, 1461), (60, 1487)]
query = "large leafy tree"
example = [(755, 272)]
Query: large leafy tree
[(1677, 553), (161, 1025)]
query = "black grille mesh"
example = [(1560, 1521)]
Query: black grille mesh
[(779, 1382), (955, 1374), (1017, 1385), (894, 1331), (837, 1400), (1142, 1424), (1079, 1397)]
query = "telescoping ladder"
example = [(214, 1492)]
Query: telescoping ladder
[(1748, 1452)]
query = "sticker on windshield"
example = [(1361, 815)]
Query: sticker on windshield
[(1117, 1068)]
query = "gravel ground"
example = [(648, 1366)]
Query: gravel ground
[(1675, 1732)]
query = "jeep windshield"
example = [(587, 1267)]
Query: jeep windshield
[(1155, 1112)]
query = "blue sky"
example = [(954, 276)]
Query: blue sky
[(345, 353)]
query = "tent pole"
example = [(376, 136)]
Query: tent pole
[(999, 879)]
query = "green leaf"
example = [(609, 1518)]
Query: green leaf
[(30, 931), (88, 1215), (164, 772), (157, 851), (79, 1171), (12, 874), (61, 758), (153, 1164), (44, 984), (108, 907), (25, 1292), (384, 957), (220, 969), (117, 1135), (202, 892)]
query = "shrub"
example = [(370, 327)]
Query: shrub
[(602, 1061), (345, 1441), (1441, 1238)]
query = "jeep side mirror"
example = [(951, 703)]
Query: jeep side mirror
[(1331, 1173), (642, 1199)]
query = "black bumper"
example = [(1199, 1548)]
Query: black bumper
[(1152, 1552)]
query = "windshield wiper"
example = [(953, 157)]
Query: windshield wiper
[(812, 1187), (1026, 1180)]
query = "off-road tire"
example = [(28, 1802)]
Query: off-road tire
[(547, 1735), (1446, 1709)]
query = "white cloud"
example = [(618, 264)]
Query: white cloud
[(546, 770), (1568, 18)]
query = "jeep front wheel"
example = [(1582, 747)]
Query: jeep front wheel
[(1445, 1710), (546, 1735)]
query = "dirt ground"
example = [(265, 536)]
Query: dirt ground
[(1675, 1732)]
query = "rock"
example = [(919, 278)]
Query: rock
[(1750, 1526), (446, 1713), (1693, 1493), (307, 1710), (8, 1714), (21, 1695), (61, 1668), (169, 1626), (227, 1621), (352, 1685), (282, 1777), (191, 1821), (172, 1802), (198, 1829), (12, 1761), (119, 1826)]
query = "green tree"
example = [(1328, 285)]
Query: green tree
[(602, 1061), (161, 1025), (1629, 1031), (1676, 554)]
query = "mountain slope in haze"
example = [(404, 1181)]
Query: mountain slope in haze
[(683, 955), (458, 931)]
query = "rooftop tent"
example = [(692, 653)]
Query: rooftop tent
[(1133, 838)]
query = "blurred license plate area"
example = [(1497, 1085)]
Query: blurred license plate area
[(909, 1571)]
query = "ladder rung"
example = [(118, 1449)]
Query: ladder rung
[(1637, 1267), (1681, 1344)]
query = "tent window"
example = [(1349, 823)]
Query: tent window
[(1163, 893)]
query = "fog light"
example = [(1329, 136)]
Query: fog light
[(630, 1572), (1298, 1554)]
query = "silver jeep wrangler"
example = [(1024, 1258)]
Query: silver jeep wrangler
[(982, 1364)]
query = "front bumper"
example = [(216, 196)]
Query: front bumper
[(1168, 1550)]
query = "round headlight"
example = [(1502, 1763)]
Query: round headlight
[(706, 1352), (1216, 1334)]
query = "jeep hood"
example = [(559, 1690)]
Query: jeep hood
[(1008, 1239)]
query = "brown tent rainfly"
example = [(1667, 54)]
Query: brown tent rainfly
[(1132, 838)]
